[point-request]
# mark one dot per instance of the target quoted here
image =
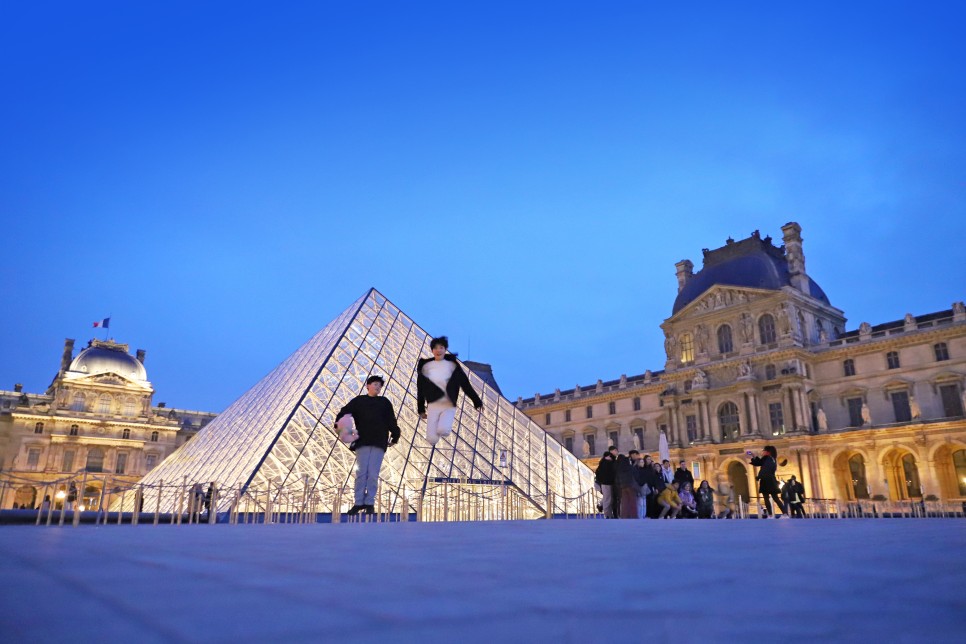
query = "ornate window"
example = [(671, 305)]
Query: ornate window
[(68, 464), (73, 430), (855, 412), (910, 474), (591, 441), (95, 460), (959, 464), (639, 437), (725, 345), (766, 329), (691, 424), (126, 433), (590, 411), (776, 417), (952, 402), (130, 408), (900, 406), (546, 419), (104, 404), (33, 459), (154, 437), (612, 408), (687, 348), (860, 485), (121, 464), (79, 402), (39, 428), (728, 419), (637, 403), (566, 415), (150, 461), (769, 372), (569, 443), (848, 367), (942, 351), (892, 359), (614, 437)]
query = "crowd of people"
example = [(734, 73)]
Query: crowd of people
[(634, 486)]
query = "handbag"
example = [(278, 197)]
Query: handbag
[(347, 430)]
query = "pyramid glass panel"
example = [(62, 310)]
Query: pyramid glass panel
[(277, 442)]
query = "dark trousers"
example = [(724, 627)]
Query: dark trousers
[(768, 509), (628, 504), (798, 510)]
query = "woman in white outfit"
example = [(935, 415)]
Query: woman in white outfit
[(438, 383)]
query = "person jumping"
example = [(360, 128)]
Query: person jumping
[(438, 383)]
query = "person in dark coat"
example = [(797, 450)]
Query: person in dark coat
[(439, 381), (704, 496), (604, 478), (683, 475), (794, 496), (651, 474), (627, 480), (767, 479)]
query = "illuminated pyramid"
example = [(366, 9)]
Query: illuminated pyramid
[(279, 435)]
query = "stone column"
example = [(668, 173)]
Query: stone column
[(753, 405), (742, 417)]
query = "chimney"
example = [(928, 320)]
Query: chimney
[(68, 356), (140, 356), (795, 257), (17, 388), (685, 271)]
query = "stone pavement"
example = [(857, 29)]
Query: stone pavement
[(538, 581)]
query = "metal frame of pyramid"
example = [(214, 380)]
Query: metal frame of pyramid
[(279, 435)]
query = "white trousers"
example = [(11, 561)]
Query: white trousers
[(439, 421)]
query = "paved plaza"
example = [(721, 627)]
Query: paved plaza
[(527, 581)]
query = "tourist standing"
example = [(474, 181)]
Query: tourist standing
[(375, 421), (768, 480), (794, 495), (683, 475), (438, 383), (604, 478)]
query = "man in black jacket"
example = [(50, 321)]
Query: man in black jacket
[(604, 478), (375, 421), (683, 475), (438, 383), (767, 479)]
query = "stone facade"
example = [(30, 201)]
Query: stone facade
[(756, 354), (96, 424)]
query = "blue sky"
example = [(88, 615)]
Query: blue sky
[(224, 178)]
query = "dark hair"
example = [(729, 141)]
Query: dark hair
[(771, 450), (443, 340), (372, 379), (612, 447), (632, 452)]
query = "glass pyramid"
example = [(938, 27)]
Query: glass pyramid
[(278, 440)]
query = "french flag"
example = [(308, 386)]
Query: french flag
[(104, 324)]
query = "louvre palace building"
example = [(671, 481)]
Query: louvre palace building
[(96, 423), (756, 355)]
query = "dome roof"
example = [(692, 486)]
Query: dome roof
[(108, 357), (752, 263)]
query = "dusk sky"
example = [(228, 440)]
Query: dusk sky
[(223, 179)]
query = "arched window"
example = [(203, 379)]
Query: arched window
[(126, 433), (959, 464), (687, 348), (910, 477), (104, 404), (725, 344), (95, 459), (79, 402), (892, 359), (860, 486), (73, 430), (154, 437), (39, 428), (728, 419), (130, 408), (942, 351), (766, 329), (769, 372), (848, 367)]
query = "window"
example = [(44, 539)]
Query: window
[(696, 470), (900, 406), (728, 418), (725, 344), (848, 367), (590, 411), (639, 436), (104, 404), (33, 459), (68, 464), (637, 403), (766, 329), (911, 476), (154, 437), (776, 417), (613, 438), (952, 403), (612, 408), (546, 419), (959, 464), (591, 444), (121, 464), (687, 348), (769, 372), (892, 359), (860, 486), (567, 415), (569, 444), (73, 430), (855, 412), (95, 460), (39, 428), (942, 351), (78, 402), (130, 408), (691, 422), (688, 385), (126, 433)]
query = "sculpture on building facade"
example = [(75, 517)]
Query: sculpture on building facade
[(670, 347), (700, 380), (744, 370), (822, 420), (866, 415), (914, 409), (865, 328), (747, 329), (784, 320), (701, 338)]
